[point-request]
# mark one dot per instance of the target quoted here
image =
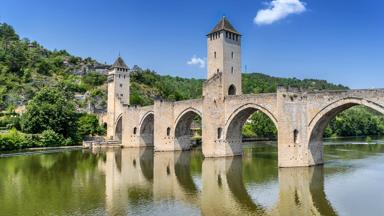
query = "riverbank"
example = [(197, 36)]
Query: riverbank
[(35, 150)]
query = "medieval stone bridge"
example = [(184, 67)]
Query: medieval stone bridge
[(299, 116)]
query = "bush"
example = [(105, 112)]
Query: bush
[(13, 140), (51, 138)]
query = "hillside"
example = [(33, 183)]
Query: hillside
[(26, 67)]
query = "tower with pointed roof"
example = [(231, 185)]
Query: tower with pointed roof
[(224, 56), (118, 97)]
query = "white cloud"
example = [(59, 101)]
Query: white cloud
[(277, 10), (197, 61)]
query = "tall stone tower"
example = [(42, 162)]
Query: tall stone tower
[(224, 56), (224, 79), (118, 97)]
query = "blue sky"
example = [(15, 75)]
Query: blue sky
[(341, 41)]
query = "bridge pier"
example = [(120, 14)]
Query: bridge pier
[(293, 146)]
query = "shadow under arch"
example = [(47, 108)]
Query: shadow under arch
[(147, 129), (317, 190), (237, 187), (183, 125), (119, 128), (318, 124), (146, 163), (183, 173)]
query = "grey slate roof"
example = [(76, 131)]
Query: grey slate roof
[(224, 24), (119, 63)]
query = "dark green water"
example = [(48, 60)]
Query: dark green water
[(141, 182)]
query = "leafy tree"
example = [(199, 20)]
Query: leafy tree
[(94, 79), (88, 125), (51, 109)]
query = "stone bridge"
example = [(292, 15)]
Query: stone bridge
[(299, 116)]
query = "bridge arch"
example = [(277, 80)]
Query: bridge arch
[(119, 128), (238, 118), (183, 128), (319, 122), (146, 130)]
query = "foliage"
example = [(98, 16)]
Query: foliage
[(12, 140), (51, 109), (356, 121), (94, 79), (259, 125), (51, 138), (89, 125)]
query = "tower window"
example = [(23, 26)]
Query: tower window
[(121, 95), (119, 75), (121, 85), (214, 54), (168, 131), (232, 55), (124, 76), (218, 70), (232, 70), (134, 130), (232, 90)]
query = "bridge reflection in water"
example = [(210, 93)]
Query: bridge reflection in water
[(138, 178)]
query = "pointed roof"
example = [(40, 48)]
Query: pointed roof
[(119, 63), (224, 24)]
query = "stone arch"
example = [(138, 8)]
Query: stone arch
[(238, 117), (320, 121), (119, 128), (146, 130), (183, 127), (232, 90)]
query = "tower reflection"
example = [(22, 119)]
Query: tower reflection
[(140, 176)]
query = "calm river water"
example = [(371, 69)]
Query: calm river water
[(141, 182)]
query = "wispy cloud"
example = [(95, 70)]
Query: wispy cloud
[(277, 10), (197, 61)]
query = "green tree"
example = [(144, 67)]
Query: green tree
[(51, 109), (88, 125)]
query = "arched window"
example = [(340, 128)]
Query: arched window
[(232, 70), (135, 130), (218, 70), (219, 132), (295, 136), (232, 90), (232, 55), (168, 131), (214, 54)]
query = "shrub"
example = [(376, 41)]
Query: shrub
[(51, 138), (13, 140)]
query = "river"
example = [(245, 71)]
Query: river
[(133, 181)]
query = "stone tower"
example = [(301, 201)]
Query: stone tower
[(118, 97), (224, 79), (224, 56)]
